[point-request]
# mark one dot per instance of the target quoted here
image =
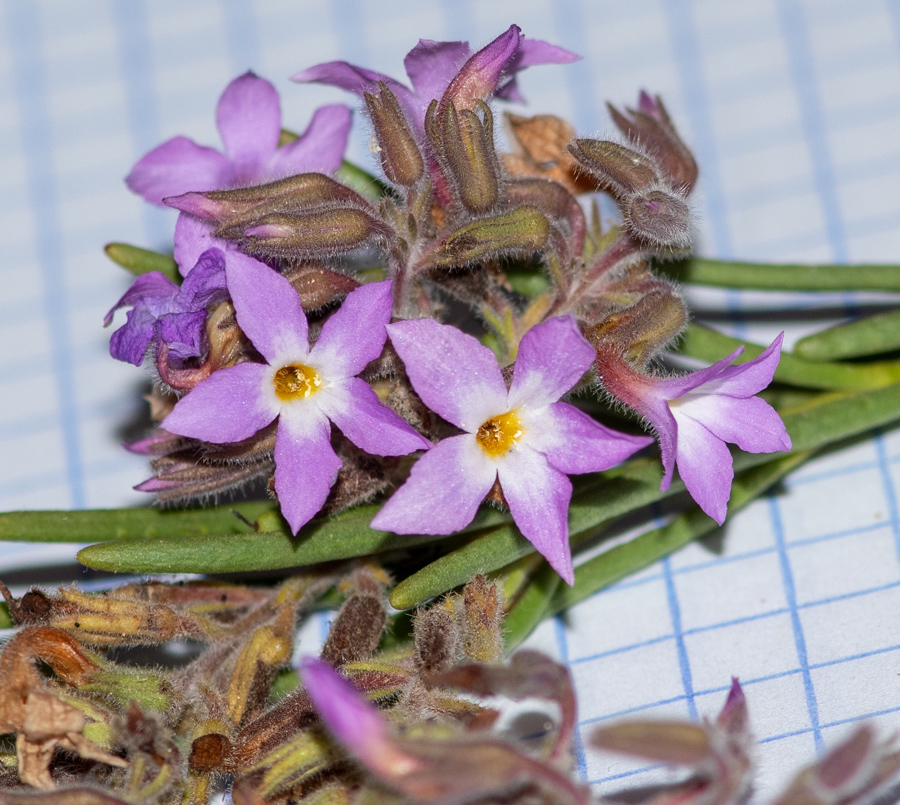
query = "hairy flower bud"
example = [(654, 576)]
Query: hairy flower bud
[(523, 229), (465, 144), (659, 219), (651, 127), (400, 157), (619, 170), (553, 200)]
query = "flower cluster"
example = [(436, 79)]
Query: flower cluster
[(489, 296)]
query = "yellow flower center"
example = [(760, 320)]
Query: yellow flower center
[(500, 434), (296, 382)]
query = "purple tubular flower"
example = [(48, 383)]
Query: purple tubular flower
[(249, 120), (523, 436), (164, 311), (696, 414), (306, 389), (438, 67), (353, 721)]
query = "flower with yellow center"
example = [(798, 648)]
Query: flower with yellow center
[(305, 389), (523, 437)]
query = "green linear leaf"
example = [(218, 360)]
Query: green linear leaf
[(142, 261), (90, 525), (623, 560), (710, 345), (789, 277), (869, 336)]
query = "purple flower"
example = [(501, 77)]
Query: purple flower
[(249, 120), (432, 67), (162, 311), (306, 389), (353, 721), (696, 414), (522, 436)]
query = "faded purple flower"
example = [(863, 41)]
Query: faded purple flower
[(432, 67), (523, 436), (696, 414), (162, 311), (249, 120), (306, 389)]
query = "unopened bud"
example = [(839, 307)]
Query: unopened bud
[(399, 154), (483, 619), (210, 745), (523, 229), (620, 170), (310, 234), (644, 329), (651, 127), (554, 200), (225, 207), (465, 144), (659, 219), (662, 741)]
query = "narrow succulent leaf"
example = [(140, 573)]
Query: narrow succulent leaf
[(363, 182), (709, 345), (6, 622), (531, 608), (89, 525), (623, 489), (855, 339), (623, 560), (791, 277), (142, 261)]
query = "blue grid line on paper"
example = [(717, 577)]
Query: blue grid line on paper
[(684, 661), (30, 86), (241, 35), (887, 482), (571, 27), (562, 648)]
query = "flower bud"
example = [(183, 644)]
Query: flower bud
[(553, 200), (619, 170), (659, 219), (465, 145), (651, 127), (523, 229), (310, 233), (399, 154)]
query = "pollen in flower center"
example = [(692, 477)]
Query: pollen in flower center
[(499, 434), (296, 382)]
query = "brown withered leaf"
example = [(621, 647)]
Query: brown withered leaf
[(539, 149)]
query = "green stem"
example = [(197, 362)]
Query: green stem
[(869, 336), (709, 345), (623, 560), (531, 608), (788, 277)]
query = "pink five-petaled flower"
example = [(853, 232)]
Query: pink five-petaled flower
[(249, 120), (433, 66), (307, 389), (522, 436), (696, 414)]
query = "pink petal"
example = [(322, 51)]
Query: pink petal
[(306, 466), (319, 149), (455, 376), (229, 406), (355, 334), (192, 238), (672, 388), (431, 65), (747, 379), (371, 426), (268, 309), (179, 166), (574, 442), (481, 74), (752, 424), (249, 120), (538, 496), (536, 51), (553, 356), (705, 466), (443, 491), (349, 77)]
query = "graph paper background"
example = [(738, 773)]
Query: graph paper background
[(793, 108)]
